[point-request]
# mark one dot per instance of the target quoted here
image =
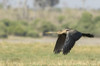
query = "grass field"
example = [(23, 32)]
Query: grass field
[(37, 54)]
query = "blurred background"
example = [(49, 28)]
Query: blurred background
[(32, 18), (23, 24)]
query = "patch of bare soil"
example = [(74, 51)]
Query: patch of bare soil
[(82, 41)]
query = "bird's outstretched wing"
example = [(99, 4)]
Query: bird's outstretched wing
[(60, 42), (70, 41)]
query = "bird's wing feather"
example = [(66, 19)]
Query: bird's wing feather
[(60, 43), (71, 38), (68, 45)]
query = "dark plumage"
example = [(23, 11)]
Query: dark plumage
[(66, 40)]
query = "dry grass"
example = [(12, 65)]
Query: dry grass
[(38, 54)]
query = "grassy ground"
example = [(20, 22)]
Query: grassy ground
[(37, 54)]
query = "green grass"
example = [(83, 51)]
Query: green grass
[(38, 54)]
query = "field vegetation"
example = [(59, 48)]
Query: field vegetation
[(41, 54), (39, 22)]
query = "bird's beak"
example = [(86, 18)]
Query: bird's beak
[(59, 32), (51, 32), (64, 31)]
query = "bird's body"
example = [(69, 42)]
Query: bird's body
[(66, 40)]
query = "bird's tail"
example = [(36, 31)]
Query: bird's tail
[(87, 35)]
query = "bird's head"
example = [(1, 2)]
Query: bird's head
[(67, 30)]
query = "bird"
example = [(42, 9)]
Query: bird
[(67, 39)]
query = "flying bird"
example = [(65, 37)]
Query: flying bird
[(66, 40)]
